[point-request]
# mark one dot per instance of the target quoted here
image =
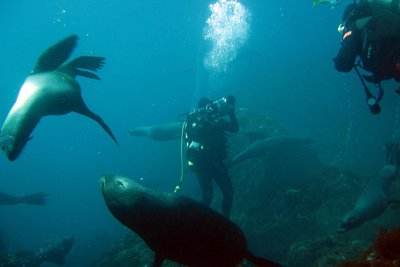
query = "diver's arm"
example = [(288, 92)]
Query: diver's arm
[(351, 47), (233, 124)]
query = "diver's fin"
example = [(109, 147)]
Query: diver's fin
[(73, 68), (55, 55), (261, 262), (84, 110), (158, 261)]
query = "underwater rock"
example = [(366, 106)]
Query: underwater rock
[(327, 252), (385, 251), (294, 199)]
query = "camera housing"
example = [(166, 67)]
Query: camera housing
[(222, 106)]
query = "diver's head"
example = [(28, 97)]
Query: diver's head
[(204, 101), (230, 100)]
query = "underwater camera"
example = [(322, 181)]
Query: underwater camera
[(218, 108), (222, 106)]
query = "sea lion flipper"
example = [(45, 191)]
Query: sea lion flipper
[(88, 62), (73, 68), (87, 74), (158, 261), (55, 55), (88, 113)]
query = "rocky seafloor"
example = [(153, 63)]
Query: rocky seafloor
[(288, 204)]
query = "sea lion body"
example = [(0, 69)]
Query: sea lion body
[(161, 132), (176, 227), (271, 145), (372, 201), (51, 89)]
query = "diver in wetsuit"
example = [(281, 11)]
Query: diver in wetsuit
[(206, 136)]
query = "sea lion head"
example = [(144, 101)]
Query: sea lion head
[(122, 195), (18, 127), (15, 146), (349, 222)]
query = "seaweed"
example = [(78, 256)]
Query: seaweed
[(385, 251)]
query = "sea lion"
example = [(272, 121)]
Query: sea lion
[(329, 2), (374, 198), (5, 140), (39, 199), (271, 145), (50, 89), (176, 227), (55, 252), (162, 132)]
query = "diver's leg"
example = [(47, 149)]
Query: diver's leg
[(205, 182), (224, 182)]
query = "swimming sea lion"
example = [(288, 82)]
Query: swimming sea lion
[(330, 2), (374, 198), (271, 145), (50, 89), (176, 227), (162, 132), (5, 140), (39, 199), (55, 252)]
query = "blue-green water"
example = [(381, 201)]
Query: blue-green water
[(150, 77)]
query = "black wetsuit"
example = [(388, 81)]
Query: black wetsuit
[(372, 33), (208, 160)]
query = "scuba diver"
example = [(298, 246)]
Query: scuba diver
[(39, 199), (54, 253), (206, 138), (371, 32)]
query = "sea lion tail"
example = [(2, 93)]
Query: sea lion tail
[(73, 67), (84, 110), (261, 262)]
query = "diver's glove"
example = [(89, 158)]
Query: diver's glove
[(231, 101)]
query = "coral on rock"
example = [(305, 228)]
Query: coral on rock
[(385, 251)]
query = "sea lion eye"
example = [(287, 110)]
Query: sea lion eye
[(120, 184)]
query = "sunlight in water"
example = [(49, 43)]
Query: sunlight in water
[(227, 29)]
